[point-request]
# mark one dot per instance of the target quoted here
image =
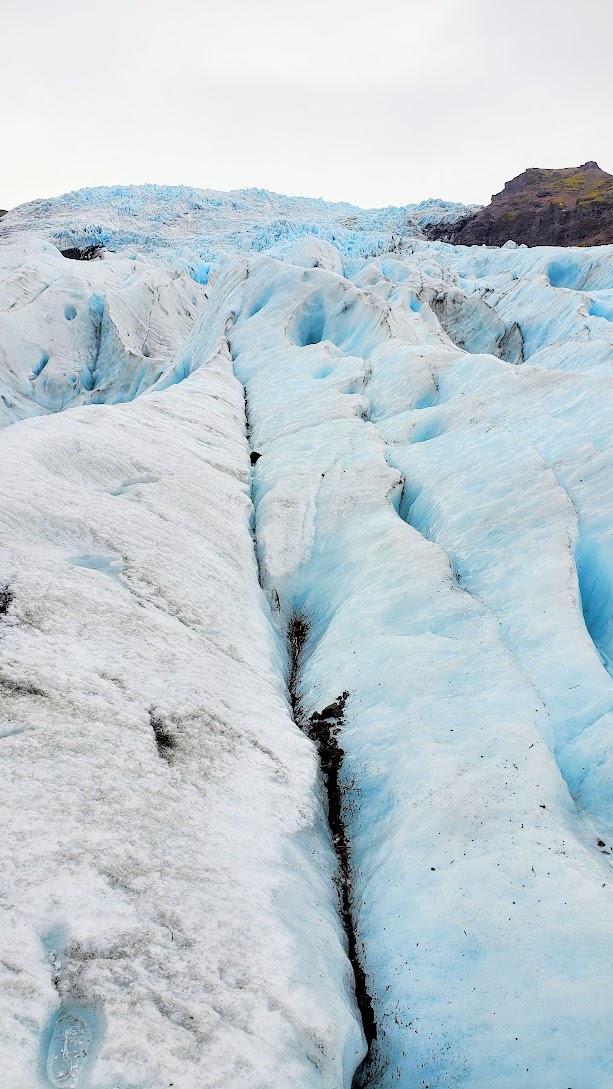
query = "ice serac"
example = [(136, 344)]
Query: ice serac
[(200, 225), (306, 656)]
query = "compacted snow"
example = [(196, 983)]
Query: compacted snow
[(306, 652)]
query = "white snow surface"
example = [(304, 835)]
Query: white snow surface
[(433, 499)]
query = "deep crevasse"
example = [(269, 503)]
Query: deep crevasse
[(440, 518)]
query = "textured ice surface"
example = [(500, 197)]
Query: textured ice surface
[(164, 812), (433, 499), (76, 332)]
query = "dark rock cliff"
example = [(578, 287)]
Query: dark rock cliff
[(569, 207)]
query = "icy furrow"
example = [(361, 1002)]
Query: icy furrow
[(323, 729), (537, 510)]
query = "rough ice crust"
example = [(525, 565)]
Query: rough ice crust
[(165, 862), (433, 498)]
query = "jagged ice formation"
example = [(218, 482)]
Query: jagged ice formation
[(306, 657)]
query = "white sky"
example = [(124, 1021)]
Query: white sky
[(373, 102)]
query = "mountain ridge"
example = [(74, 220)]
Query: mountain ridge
[(571, 206)]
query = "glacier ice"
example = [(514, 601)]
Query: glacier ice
[(69, 1050), (287, 459)]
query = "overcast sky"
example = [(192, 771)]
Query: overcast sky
[(373, 102)]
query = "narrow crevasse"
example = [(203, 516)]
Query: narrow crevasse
[(323, 729), (596, 588)]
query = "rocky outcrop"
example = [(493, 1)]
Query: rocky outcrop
[(570, 207)]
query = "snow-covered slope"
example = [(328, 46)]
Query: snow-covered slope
[(306, 655)]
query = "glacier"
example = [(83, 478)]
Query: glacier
[(306, 649)]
